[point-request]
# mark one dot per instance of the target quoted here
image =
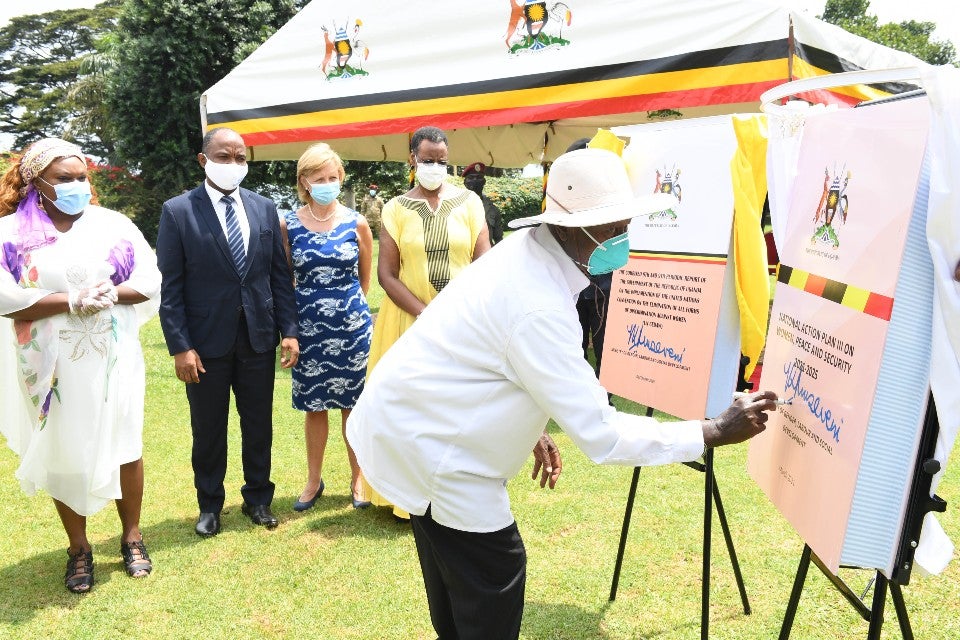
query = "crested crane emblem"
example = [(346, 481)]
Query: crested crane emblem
[(345, 53), (534, 26), (668, 181), (833, 201)]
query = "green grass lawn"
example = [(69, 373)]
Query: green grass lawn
[(333, 572)]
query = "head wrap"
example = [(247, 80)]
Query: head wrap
[(40, 154), (34, 226)]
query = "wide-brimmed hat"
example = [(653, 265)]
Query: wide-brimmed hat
[(590, 187)]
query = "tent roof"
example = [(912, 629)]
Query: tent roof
[(507, 99)]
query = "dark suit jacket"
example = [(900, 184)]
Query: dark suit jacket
[(203, 293)]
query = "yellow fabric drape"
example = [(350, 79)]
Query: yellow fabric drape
[(748, 170), (605, 139)]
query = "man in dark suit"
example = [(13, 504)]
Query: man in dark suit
[(226, 302)]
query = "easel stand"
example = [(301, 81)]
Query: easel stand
[(710, 493), (920, 503), (872, 614)]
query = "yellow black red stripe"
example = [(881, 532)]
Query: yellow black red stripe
[(664, 91), (856, 298), (680, 256), (720, 76), (341, 125), (812, 61), (726, 75), (697, 61)]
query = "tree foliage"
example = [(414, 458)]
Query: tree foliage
[(516, 197), (41, 58), (87, 98), (910, 36), (117, 188), (393, 178), (168, 53)]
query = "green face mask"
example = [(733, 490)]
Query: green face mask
[(609, 256)]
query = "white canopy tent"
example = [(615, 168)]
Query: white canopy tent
[(513, 82)]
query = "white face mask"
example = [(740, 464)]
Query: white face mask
[(430, 176), (225, 176)]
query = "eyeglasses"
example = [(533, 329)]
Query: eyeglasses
[(439, 163)]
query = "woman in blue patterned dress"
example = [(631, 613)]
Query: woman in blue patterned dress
[(330, 250)]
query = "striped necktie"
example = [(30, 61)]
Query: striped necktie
[(234, 237)]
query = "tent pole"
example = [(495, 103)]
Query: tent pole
[(791, 50)]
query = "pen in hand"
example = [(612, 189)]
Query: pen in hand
[(741, 394)]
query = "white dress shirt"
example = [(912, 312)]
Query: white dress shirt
[(456, 405), (221, 210)]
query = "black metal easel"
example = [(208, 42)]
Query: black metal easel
[(711, 493), (919, 504)]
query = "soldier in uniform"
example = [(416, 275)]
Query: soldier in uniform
[(473, 179), (370, 207)]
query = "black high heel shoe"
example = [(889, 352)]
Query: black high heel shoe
[(358, 504), (303, 506)]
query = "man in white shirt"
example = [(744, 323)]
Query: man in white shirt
[(453, 408)]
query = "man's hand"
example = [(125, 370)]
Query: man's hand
[(546, 461), (188, 366), (742, 420), (289, 352)]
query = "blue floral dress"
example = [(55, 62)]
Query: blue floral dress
[(335, 325)]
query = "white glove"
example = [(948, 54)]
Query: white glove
[(108, 291), (90, 300)]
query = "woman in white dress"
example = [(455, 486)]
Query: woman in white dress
[(77, 280)]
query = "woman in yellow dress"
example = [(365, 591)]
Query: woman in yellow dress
[(427, 236)]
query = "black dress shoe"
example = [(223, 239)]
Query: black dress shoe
[(208, 524), (260, 514)]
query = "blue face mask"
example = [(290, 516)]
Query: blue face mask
[(72, 197), (326, 192), (609, 256)]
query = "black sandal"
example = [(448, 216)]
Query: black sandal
[(79, 576), (136, 559)]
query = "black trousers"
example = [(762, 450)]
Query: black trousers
[(251, 376), (474, 581)]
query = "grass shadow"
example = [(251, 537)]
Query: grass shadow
[(35, 583), (374, 523), (579, 622), (583, 623)]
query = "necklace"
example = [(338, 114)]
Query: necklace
[(310, 211)]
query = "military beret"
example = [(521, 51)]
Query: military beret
[(476, 167)]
